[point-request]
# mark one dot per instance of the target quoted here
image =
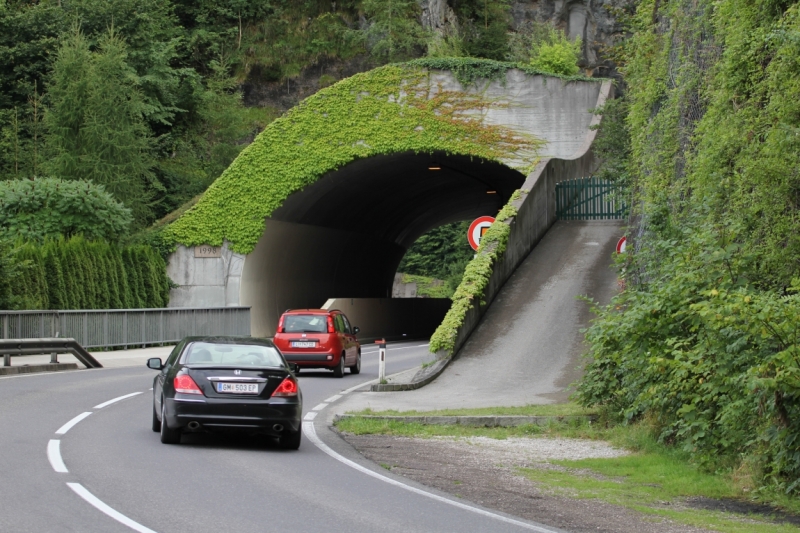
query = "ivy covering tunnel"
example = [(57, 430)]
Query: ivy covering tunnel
[(390, 110)]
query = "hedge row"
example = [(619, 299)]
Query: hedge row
[(81, 274)]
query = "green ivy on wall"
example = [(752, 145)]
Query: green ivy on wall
[(391, 109), (476, 278)]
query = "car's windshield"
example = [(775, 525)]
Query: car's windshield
[(206, 353), (305, 323)]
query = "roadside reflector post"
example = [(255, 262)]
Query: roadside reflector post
[(382, 360)]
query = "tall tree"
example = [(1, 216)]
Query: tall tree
[(95, 123)]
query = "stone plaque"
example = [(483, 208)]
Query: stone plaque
[(206, 251)]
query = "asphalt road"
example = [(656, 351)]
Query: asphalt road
[(208, 483)]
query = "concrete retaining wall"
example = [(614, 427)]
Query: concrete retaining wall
[(392, 318)]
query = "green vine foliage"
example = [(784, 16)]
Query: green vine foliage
[(392, 109), (476, 278), (469, 70), (704, 340)]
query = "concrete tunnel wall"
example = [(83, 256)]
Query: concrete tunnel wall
[(343, 236)]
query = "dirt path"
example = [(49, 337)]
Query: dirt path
[(486, 473)]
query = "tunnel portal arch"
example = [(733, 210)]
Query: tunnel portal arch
[(327, 199)]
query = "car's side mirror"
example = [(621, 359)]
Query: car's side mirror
[(294, 368), (356, 329), (155, 363)]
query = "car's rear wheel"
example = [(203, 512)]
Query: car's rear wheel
[(168, 435), (156, 421), (339, 370), (291, 440), (356, 368)]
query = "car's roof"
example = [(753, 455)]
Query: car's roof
[(229, 339), (309, 311)]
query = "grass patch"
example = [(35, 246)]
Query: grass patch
[(646, 481), (558, 409)]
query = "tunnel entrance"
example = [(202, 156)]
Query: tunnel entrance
[(344, 235)]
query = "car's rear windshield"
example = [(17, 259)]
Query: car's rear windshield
[(305, 323), (207, 353)]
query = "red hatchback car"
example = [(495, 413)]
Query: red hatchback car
[(318, 338)]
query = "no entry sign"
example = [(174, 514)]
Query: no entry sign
[(477, 229)]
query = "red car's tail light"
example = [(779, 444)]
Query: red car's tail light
[(280, 324), (185, 385), (330, 324), (288, 387)]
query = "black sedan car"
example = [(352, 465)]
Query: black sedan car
[(226, 384)]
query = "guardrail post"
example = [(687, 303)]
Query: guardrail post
[(7, 359)]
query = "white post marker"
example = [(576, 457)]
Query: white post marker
[(382, 360), (476, 230)]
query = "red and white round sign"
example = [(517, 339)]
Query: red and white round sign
[(477, 229), (621, 244)]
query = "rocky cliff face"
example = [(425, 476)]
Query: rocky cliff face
[(591, 20)]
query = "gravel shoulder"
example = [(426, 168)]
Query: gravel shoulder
[(484, 471)]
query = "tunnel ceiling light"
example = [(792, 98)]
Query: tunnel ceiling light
[(491, 192), (434, 166)]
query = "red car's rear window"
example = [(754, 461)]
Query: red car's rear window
[(305, 323)]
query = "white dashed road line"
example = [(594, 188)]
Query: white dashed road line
[(333, 398), (320, 406), (310, 416), (115, 400), (54, 456), (102, 507), (66, 427)]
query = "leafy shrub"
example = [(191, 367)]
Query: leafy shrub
[(707, 355), (558, 56), (47, 208)]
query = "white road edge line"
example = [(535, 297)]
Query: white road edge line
[(311, 434), (103, 508), (54, 456), (323, 405), (115, 400), (333, 398), (66, 427), (310, 416)]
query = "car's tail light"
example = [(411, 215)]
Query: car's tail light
[(280, 324), (288, 387), (185, 385), (330, 324)]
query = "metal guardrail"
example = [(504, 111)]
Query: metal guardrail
[(9, 347), (125, 327)]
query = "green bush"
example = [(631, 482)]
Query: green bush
[(558, 56), (82, 274), (42, 208)]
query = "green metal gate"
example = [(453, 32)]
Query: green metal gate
[(588, 199)]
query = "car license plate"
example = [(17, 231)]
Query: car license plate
[(303, 344), (238, 388)]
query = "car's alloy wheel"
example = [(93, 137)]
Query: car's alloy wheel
[(339, 370), (356, 368), (156, 421), (168, 435), (291, 440)]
